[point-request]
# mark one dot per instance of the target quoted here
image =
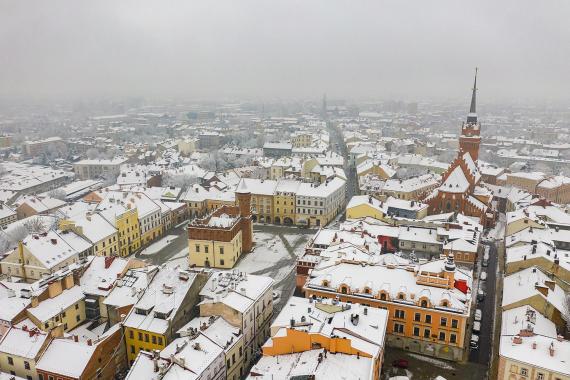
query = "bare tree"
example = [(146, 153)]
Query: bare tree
[(92, 153), (58, 194), (34, 225), (182, 180)]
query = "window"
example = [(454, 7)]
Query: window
[(343, 290), (428, 318), (398, 328), (399, 314), (146, 338), (383, 297), (228, 363), (454, 323), (240, 352), (132, 349), (452, 338), (221, 250), (76, 306), (131, 334), (427, 333), (540, 376), (140, 336), (205, 249), (197, 248), (417, 317), (77, 318), (416, 331), (222, 262), (26, 364), (442, 336), (153, 339), (424, 303), (524, 372), (443, 321), (10, 360), (160, 340)]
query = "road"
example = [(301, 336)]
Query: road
[(483, 354), (338, 145)]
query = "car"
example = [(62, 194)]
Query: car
[(483, 276), (401, 363), (476, 326), (478, 314), (480, 295), (474, 343)]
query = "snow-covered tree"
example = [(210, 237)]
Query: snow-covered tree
[(57, 194)]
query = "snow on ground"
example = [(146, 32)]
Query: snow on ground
[(498, 232), (438, 363), (156, 247), (268, 252)]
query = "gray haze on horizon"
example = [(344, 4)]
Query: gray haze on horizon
[(288, 49)]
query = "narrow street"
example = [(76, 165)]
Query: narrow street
[(487, 307), (338, 145)]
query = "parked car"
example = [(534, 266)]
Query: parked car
[(400, 363), (476, 326), (483, 276), (478, 314), (474, 343), (480, 295)]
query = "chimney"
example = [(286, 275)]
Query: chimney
[(551, 349), (89, 342), (75, 338), (109, 261)]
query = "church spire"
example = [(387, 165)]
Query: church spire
[(472, 117)]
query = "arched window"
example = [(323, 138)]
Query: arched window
[(424, 303), (444, 303), (367, 290), (343, 289), (383, 296), (325, 283), (401, 296)]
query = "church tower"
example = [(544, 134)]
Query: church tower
[(470, 130)]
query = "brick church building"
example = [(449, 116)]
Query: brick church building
[(461, 189)]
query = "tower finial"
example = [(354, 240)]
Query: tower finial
[(472, 117)]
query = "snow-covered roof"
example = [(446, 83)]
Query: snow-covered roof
[(76, 356), (160, 301), (393, 280), (523, 284), (536, 352), (456, 182), (54, 247), (237, 290), (51, 307), (20, 341), (101, 274)]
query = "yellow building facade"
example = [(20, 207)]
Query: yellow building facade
[(128, 228), (137, 340), (215, 254)]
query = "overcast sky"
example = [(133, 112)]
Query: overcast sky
[(215, 49)]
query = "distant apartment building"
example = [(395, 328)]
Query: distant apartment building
[(45, 146), (99, 168)]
